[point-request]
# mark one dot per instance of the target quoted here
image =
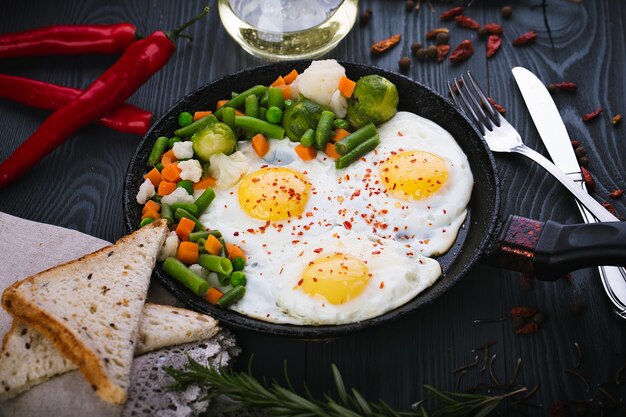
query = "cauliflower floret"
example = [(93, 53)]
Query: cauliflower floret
[(338, 104), (183, 150), (190, 170), (227, 170), (319, 83), (199, 270), (179, 195), (169, 248), (146, 190)]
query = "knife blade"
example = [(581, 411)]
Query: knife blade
[(554, 135)]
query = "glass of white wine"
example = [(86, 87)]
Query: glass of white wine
[(279, 30)]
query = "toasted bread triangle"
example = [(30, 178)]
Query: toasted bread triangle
[(90, 308)]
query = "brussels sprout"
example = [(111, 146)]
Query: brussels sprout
[(300, 117), (213, 139), (375, 99)]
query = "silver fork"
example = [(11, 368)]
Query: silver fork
[(502, 137)]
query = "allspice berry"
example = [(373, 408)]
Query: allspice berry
[(420, 54), (365, 17), (583, 161), (415, 46), (442, 38), (507, 12), (431, 51), (482, 33), (410, 5), (404, 63)]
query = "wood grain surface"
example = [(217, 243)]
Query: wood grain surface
[(79, 186)]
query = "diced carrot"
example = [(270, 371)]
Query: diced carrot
[(346, 86), (166, 187), (185, 226), (279, 81), (213, 295), (187, 252), (234, 251), (151, 206), (168, 158), (220, 103), (171, 172), (152, 214), (213, 245), (289, 78), (260, 144), (330, 151), (239, 113), (200, 114), (154, 176), (204, 183), (340, 134), (306, 152), (286, 91)]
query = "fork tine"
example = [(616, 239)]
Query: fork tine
[(479, 122), (495, 116), (487, 121)]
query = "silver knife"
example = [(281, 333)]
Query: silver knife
[(554, 135)]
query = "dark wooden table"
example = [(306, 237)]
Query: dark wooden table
[(79, 186)]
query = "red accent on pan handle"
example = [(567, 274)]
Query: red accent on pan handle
[(517, 243)]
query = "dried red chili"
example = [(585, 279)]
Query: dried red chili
[(442, 52), (615, 194), (497, 106), (610, 208), (530, 328), (617, 119), (565, 86), (525, 38), (450, 14), (467, 22), (493, 45), (462, 52), (432, 34), (385, 44), (575, 143), (493, 28), (523, 312), (588, 179), (592, 115)]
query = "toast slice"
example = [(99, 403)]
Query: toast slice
[(28, 359), (90, 308)]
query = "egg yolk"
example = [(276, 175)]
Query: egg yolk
[(274, 193), (413, 175), (338, 278)]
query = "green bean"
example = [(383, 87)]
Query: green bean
[(263, 99), (185, 119), (228, 117), (262, 113), (274, 115), (146, 221), (195, 126), (156, 198), (354, 139), (201, 242), (177, 270), (224, 251), (186, 185), (180, 213), (173, 140), (241, 99), (223, 279), (190, 207), (252, 106), (275, 98), (167, 213), (238, 263), (194, 236), (324, 129), (356, 153), (341, 124), (308, 139), (159, 166), (215, 263), (233, 94), (238, 278), (260, 126), (157, 150), (205, 199), (233, 295)]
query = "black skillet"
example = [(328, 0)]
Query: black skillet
[(516, 242)]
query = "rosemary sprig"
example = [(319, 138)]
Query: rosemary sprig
[(248, 393)]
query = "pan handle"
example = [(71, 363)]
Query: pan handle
[(549, 250)]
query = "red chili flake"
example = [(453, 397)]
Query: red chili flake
[(525, 38), (493, 28), (382, 284), (462, 52), (318, 250), (575, 143), (347, 225), (610, 208), (432, 34), (386, 44), (528, 328), (524, 312), (442, 52), (558, 409), (497, 106), (566, 86), (617, 119), (568, 278), (450, 14), (301, 281), (588, 179), (593, 115), (467, 22), (615, 194), (493, 45)]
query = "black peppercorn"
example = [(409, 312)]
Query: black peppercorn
[(507, 11), (539, 318), (483, 33), (365, 17), (415, 46), (410, 4), (432, 52), (583, 161), (404, 63), (580, 152), (420, 54), (552, 87), (442, 38)]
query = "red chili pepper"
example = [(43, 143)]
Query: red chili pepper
[(449, 14), (524, 312), (610, 208), (588, 179), (566, 86), (616, 194), (442, 52), (493, 45), (493, 28), (126, 118), (497, 106), (68, 40), (467, 22), (525, 38), (594, 114), (462, 52), (528, 328), (142, 59)]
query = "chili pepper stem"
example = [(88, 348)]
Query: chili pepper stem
[(176, 33)]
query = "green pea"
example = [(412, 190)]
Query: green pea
[(274, 115), (173, 140), (238, 263), (185, 119), (238, 278)]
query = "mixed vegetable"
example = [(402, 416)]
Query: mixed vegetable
[(202, 151)]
